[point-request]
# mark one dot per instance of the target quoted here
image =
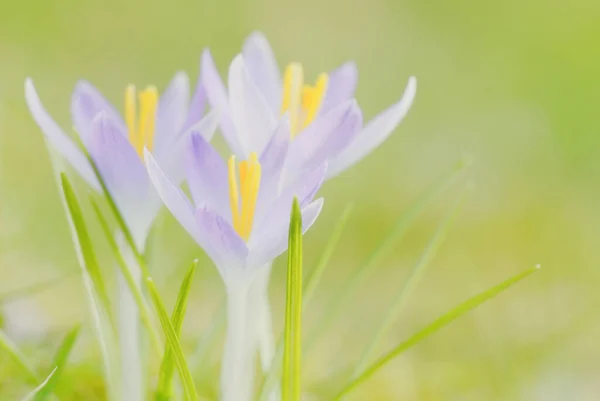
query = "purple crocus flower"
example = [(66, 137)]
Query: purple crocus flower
[(242, 223), (116, 145), (326, 122)]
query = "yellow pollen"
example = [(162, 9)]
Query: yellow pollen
[(242, 216), (141, 130), (301, 101)]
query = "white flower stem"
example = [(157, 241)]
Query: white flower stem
[(260, 315), (130, 341), (237, 368)]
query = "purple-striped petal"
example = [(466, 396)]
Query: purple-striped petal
[(171, 112), (218, 99), (254, 121), (273, 240), (173, 197), (207, 176), (197, 106), (375, 132), (326, 134), (220, 241), (86, 103), (341, 86), (305, 189), (263, 69), (172, 160), (124, 174), (57, 138), (272, 162)]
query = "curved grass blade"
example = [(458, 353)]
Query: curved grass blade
[(59, 362), (103, 323), (17, 357), (269, 379), (142, 305), (167, 367), (292, 353), (31, 395), (173, 341), (432, 328), (415, 276), (398, 231)]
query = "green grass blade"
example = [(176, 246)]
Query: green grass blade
[(398, 231), (415, 276), (292, 353), (17, 357), (59, 362), (270, 378), (432, 328), (167, 368), (142, 305), (90, 262), (103, 324), (173, 341), (40, 387)]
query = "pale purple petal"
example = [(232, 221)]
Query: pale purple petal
[(254, 121), (87, 102), (217, 97), (197, 106), (207, 176), (375, 132), (57, 138), (124, 174), (220, 241), (324, 138), (272, 163), (273, 240), (172, 161), (263, 69), (171, 112), (173, 197), (305, 189), (341, 86)]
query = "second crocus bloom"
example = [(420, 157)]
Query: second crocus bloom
[(240, 216)]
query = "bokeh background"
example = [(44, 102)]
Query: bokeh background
[(514, 84)]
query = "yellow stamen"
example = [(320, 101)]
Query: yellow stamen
[(293, 81), (301, 101), (130, 113), (250, 173), (141, 132)]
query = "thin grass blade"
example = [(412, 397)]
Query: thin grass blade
[(17, 357), (172, 339), (398, 231), (144, 309), (415, 276), (292, 353), (60, 360), (271, 377), (31, 395), (432, 328), (35, 288), (167, 368)]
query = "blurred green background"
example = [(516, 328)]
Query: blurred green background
[(514, 84)]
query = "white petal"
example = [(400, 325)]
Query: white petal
[(253, 119), (57, 138)]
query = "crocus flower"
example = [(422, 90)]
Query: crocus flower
[(116, 145), (326, 123), (241, 220)]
